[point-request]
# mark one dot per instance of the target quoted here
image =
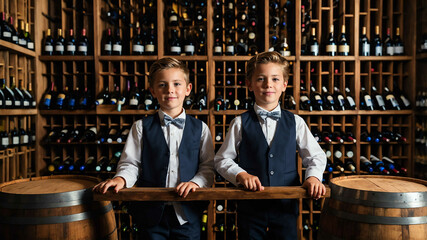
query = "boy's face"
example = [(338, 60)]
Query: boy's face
[(267, 83), (170, 89)]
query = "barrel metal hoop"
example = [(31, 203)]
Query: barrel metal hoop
[(50, 200), (377, 219), (379, 199), (56, 219)]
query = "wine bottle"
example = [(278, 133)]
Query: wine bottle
[(326, 137), (53, 135), (349, 137), (4, 140), (84, 99), (71, 43), (71, 99), (74, 136), (175, 42), (289, 102), (60, 99), (9, 95), (54, 165), (390, 100), (331, 46), (102, 135), (150, 42), (19, 96), (313, 44), (103, 97), (59, 43), (2, 99), (173, 17), (316, 99), (108, 42), (124, 133), (48, 43), (377, 100), (389, 165), (138, 42), (365, 136), (350, 103), (187, 17), (112, 164), (115, 96), (388, 44), (30, 42), (365, 100), (28, 98), (134, 96), (328, 99), (398, 44), (101, 164), (22, 41), (83, 44), (89, 164), (377, 45), (6, 32), (365, 47), (403, 101), (339, 99), (117, 44), (220, 103), (201, 41), (337, 137), (378, 165), (89, 135), (305, 103), (350, 165), (15, 38), (343, 46), (252, 42), (63, 135), (201, 101), (366, 165), (218, 47), (148, 101)]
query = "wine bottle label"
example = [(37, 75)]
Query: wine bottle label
[(15, 38), (380, 100), (107, 47), (424, 46), (148, 102), (33, 103), (344, 48), (230, 49), (117, 47), (7, 34), (22, 42), (8, 102), (351, 101), (189, 49), (17, 103), (138, 48), (26, 103), (133, 102), (392, 100), (341, 99), (368, 100), (330, 99), (304, 98), (48, 48), (218, 49), (30, 45), (113, 101), (24, 139), (378, 50), (314, 50), (99, 101), (83, 49), (390, 50), (15, 140), (1, 102), (5, 141), (173, 18), (149, 48), (317, 97), (366, 49), (176, 49), (398, 49), (59, 48), (331, 48), (285, 53), (405, 101)]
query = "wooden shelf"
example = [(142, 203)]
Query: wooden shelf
[(67, 112), (422, 56), (128, 58), (189, 58), (16, 49), (388, 112), (421, 112), (66, 58), (386, 58), (327, 112), (18, 112), (327, 58)]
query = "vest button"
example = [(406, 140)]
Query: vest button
[(271, 172), (271, 155)]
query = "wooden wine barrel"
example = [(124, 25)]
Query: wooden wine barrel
[(375, 207), (54, 207)]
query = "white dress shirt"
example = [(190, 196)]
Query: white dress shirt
[(311, 153), (130, 161)]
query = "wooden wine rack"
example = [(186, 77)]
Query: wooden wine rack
[(97, 70), (18, 62)]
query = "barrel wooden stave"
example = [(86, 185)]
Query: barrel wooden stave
[(345, 220), (87, 220)]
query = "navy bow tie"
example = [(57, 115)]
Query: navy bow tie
[(275, 115), (179, 122)]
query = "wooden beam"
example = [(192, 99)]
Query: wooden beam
[(203, 194)]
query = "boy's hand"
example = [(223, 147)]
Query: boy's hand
[(102, 187), (249, 181), (186, 187), (314, 187)]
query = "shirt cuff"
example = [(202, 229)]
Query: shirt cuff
[(129, 181), (313, 173), (233, 172), (199, 181)]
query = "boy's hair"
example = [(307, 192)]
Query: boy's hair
[(167, 63), (264, 58)]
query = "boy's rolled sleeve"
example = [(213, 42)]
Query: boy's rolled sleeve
[(205, 175)]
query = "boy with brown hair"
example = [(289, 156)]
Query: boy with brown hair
[(263, 141), (167, 149)]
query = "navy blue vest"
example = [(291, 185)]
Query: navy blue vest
[(275, 165), (154, 166)]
